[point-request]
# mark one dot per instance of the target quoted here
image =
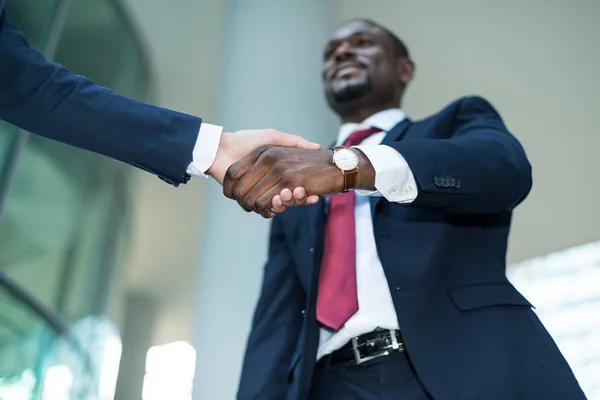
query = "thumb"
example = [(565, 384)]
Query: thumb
[(288, 140)]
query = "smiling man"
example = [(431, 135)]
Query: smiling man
[(396, 290)]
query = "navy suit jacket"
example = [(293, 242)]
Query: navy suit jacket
[(469, 333), (45, 99)]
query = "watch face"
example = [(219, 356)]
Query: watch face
[(345, 159)]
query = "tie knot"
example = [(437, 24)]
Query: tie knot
[(359, 135)]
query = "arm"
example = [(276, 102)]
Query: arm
[(44, 98), (276, 325), (480, 169)]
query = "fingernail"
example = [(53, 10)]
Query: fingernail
[(287, 196), (300, 195), (278, 201)]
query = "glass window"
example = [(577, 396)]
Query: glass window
[(563, 286), (66, 210), (32, 355), (64, 218)]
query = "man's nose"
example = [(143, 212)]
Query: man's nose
[(343, 52)]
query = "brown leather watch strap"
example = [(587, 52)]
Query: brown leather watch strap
[(350, 177)]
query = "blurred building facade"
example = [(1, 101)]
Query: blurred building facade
[(65, 218), (106, 262)]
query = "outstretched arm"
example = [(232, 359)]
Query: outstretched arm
[(481, 168), (477, 168), (44, 98)]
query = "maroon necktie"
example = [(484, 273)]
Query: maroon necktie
[(337, 298)]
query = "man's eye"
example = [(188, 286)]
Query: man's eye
[(364, 42)]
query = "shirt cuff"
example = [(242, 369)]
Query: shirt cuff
[(393, 178), (205, 150)]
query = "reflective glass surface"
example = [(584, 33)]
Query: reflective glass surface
[(64, 212)]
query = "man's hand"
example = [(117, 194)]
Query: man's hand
[(236, 145), (268, 171), (262, 181), (288, 198)]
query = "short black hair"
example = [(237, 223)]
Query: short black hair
[(399, 46)]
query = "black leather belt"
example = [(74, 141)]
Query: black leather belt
[(364, 348)]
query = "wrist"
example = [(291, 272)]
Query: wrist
[(217, 173), (217, 170), (336, 175), (365, 179)]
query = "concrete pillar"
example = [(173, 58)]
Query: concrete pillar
[(139, 317), (270, 78)]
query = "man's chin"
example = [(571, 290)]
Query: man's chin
[(349, 93)]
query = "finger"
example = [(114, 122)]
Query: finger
[(242, 187), (299, 196), (249, 189), (236, 171), (264, 202), (314, 199), (270, 214), (286, 139), (287, 197), (260, 197), (277, 205)]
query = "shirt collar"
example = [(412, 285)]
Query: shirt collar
[(384, 120)]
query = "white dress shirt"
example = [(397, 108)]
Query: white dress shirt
[(205, 150), (395, 182)]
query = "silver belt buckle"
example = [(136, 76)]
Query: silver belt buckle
[(358, 359)]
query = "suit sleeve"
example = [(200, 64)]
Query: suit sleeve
[(46, 99), (480, 168), (275, 327)]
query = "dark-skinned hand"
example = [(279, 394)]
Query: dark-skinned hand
[(262, 182)]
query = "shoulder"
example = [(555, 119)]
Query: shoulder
[(471, 103), (466, 106)]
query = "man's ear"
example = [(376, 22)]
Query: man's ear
[(406, 69)]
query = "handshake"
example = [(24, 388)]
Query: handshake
[(267, 171)]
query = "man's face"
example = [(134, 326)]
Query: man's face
[(359, 60)]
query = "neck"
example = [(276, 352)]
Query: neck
[(359, 110), (360, 114)]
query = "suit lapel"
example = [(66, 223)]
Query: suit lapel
[(395, 135), (397, 132)]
